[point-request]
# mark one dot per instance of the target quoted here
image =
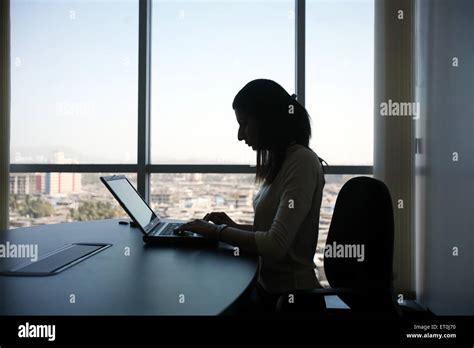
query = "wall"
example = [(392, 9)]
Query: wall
[(444, 187)]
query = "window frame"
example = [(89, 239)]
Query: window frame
[(143, 168)]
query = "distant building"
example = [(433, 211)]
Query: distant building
[(239, 199), (161, 198), (46, 183), (26, 183), (194, 177), (61, 183)]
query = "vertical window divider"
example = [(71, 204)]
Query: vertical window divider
[(144, 86), (300, 49)]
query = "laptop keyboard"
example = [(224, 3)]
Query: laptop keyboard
[(169, 229)]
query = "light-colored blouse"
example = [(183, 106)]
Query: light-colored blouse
[(286, 222)]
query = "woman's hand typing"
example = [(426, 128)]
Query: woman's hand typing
[(220, 218)]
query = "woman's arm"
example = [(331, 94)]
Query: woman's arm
[(243, 239), (240, 238), (220, 217), (244, 227)]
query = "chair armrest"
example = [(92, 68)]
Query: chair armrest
[(329, 291), (307, 300)]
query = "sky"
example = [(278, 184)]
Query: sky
[(74, 77)]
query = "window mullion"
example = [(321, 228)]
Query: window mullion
[(144, 78), (300, 47)]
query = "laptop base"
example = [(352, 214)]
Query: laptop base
[(181, 241)]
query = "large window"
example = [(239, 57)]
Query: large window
[(340, 79), (203, 53), (75, 93), (74, 81)]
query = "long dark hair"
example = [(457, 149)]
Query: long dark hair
[(280, 119)]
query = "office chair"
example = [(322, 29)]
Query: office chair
[(363, 215)]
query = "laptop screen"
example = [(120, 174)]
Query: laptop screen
[(126, 194)]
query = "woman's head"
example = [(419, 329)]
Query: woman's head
[(269, 121)]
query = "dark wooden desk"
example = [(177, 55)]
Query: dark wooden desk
[(148, 282)]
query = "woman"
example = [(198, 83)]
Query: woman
[(285, 229)]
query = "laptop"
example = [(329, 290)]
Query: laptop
[(155, 229)]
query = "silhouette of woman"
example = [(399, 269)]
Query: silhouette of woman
[(285, 229)]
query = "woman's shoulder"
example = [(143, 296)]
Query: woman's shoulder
[(302, 163), (302, 154)]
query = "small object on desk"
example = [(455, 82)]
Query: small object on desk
[(132, 224)]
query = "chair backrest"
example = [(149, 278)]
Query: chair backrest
[(359, 249)]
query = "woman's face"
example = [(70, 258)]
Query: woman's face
[(247, 129)]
